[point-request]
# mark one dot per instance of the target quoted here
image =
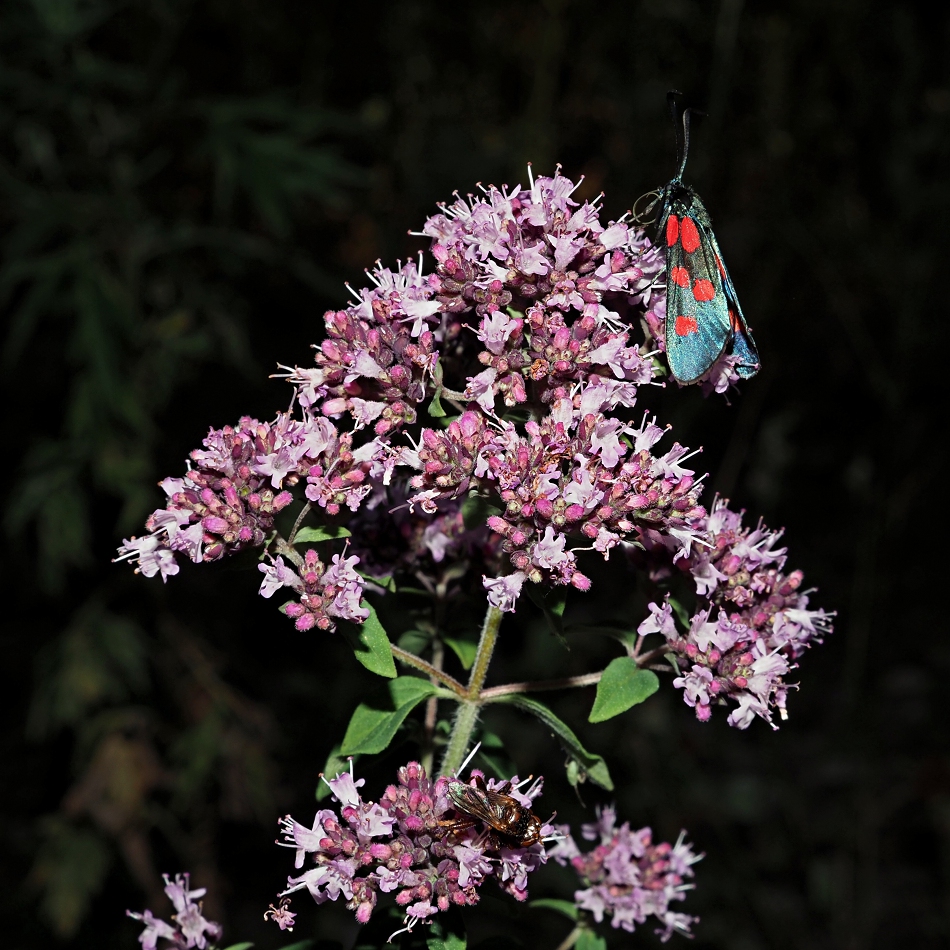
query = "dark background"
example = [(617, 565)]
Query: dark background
[(184, 188)]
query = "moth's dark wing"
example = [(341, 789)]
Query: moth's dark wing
[(698, 328), (743, 345)]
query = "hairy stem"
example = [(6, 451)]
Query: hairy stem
[(410, 659), (462, 729), (570, 939), (454, 395), (467, 714), (483, 655), (303, 514), (537, 686), (432, 710), (288, 551)]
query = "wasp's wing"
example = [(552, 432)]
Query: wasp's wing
[(478, 804), (698, 327)]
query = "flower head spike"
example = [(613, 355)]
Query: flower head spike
[(627, 878), (416, 843), (751, 624), (191, 929)]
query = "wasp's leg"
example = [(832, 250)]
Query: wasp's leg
[(455, 825)]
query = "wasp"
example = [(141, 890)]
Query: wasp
[(509, 822)]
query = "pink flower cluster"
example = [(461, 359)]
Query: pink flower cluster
[(377, 354), (537, 328), (554, 296), (628, 878), (238, 482), (392, 539), (753, 622), (400, 845), (578, 473), (191, 929), (324, 593)]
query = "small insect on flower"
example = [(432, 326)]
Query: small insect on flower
[(509, 821), (703, 315)]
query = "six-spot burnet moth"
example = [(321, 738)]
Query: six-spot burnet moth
[(703, 315)]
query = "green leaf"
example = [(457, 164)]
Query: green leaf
[(465, 650), (492, 753), (324, 533), (301, 945), (240, 946), (447, 932), (567, 908), (682, 614), (70, 869), (448, 942), (623, 685), (335, 764), (414, 641), (476, 511), (590, 765), (370, 643), (435, 406), (374, 724), (552, 606), (387, 583), (588, 940)]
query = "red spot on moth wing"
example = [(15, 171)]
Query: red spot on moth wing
[(672, 230), (734, 321), (690, 235), (722, 270), (704, 290), (685, 326), (680, 276)]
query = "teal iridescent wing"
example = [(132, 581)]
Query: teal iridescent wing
[(703, 316), (743, 346)]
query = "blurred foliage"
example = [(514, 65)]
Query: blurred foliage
[(185, 185)]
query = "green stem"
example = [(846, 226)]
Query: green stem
[(303, 514), (288, 551), (483, 655), (570, 939), (432, 710), (453, 395), (568, 682), (410, 659), (467, 714), (462, 729)]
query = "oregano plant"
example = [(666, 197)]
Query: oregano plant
[(469, 434)]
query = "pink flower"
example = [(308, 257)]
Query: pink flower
[(627, 878), (503, 592), (191, 928)]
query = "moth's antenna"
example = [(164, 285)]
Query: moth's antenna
[(685, 142), (680, 127)]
